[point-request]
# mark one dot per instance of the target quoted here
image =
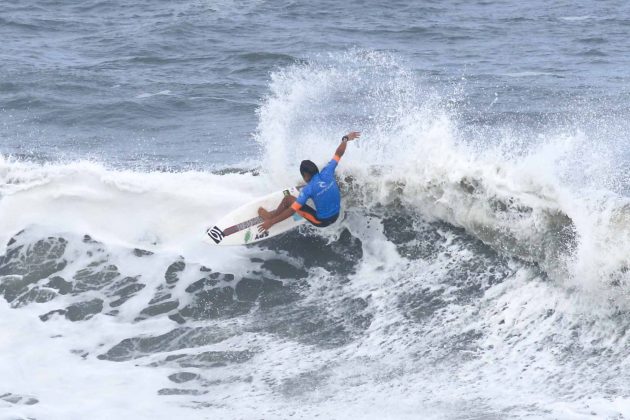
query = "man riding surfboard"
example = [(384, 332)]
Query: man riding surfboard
[(321, 187)]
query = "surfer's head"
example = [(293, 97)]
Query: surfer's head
[(308, 170)]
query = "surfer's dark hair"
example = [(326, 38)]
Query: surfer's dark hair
[(308, 167)]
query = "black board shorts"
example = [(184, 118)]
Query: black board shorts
[(313, 220)]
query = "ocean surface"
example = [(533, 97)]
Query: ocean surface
[(480, 270)]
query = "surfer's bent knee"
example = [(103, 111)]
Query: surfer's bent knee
[(288, 200)]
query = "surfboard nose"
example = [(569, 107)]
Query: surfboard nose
[(215, 234)]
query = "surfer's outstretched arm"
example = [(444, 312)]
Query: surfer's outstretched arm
[(344, 140)]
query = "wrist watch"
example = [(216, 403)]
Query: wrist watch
[(345, 139)]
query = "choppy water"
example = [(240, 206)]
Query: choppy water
[(480, 270)]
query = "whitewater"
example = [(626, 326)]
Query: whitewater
[(480, 269), (463, 280)]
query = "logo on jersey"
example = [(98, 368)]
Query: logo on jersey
[(322, 184)]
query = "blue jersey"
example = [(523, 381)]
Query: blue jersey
[(324, 192)]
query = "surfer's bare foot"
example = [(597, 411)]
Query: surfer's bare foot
[(264, 213)]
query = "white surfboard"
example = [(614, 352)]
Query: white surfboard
[(240, 227)]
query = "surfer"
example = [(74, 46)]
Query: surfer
[(321, 187)]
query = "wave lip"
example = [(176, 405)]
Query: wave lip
[(510, 187)]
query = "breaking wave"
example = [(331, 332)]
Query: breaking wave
[(479, 269)]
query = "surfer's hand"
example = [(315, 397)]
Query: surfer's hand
[(353, 135), (265, 225)]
